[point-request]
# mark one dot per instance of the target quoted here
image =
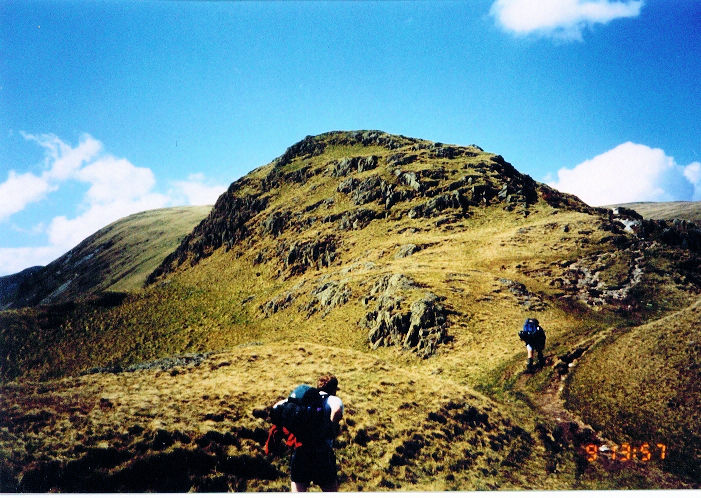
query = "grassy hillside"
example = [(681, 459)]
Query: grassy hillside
[(10, 285), (393, 260), (643, 385), (682, 210), (117, 258), (197, 423)]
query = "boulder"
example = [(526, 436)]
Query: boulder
[(406, 251)]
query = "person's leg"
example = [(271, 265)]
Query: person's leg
[(540, 347), (300, 465), (327, 472), (331, 487), (298, 487), (529, 348)]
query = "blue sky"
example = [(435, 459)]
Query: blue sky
[(109, 108)]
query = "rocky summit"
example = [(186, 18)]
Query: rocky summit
[(301, 211), (406, 267)]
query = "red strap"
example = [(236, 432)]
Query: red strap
[(273, 434), (276, 437), (290, 439)]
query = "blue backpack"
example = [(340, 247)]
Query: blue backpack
[(530, 330)]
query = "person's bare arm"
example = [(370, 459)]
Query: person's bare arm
[(336, 415), (336, 406)]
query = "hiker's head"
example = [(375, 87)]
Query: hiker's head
[(328, 383)]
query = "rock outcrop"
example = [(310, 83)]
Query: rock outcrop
[(421, 329), (298, 256)]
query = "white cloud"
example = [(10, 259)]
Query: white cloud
[(114, 179), (115, 188), (564, 19), (630, 173), (693, 173), (15, 259), (195, 191), (18, 191), (62, 160)]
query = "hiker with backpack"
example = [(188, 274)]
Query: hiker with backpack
[(309, 421), (534, 337)]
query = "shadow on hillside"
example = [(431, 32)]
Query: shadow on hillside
[(203, 465)]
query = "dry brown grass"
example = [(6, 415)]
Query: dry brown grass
[(402, 429)]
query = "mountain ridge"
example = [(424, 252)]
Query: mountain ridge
[(408, 256), (116, 258)]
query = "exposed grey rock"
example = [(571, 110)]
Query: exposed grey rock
[(307, 147), (186, 360), (420, 329), (275, 223), (410, 179), (327, 296), (348, 185), (302, 255), (277, 303), (368, 190), (367, 163), (583, 279), (399, 159), (622, 212), (348, 165), (392, 284), (434, 206), (225, 226), (446, 151), (427, 326), (368, 265), (406, 251), (356, 220), (529, 301)]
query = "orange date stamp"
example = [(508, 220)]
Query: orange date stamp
[(627, 452)]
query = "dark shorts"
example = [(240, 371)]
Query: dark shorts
[(537, 343), (315, 464)]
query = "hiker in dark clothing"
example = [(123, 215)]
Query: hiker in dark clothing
[(534, 337), (314, 460)]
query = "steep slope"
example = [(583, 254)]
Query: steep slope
[(10, 285), (422, 256), (117, 258), (655, 394), (681, 210)]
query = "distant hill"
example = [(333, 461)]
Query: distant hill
[(117, 258), (406, 267), (682, 210)]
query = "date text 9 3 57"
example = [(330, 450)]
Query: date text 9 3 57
[(626, 452)]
